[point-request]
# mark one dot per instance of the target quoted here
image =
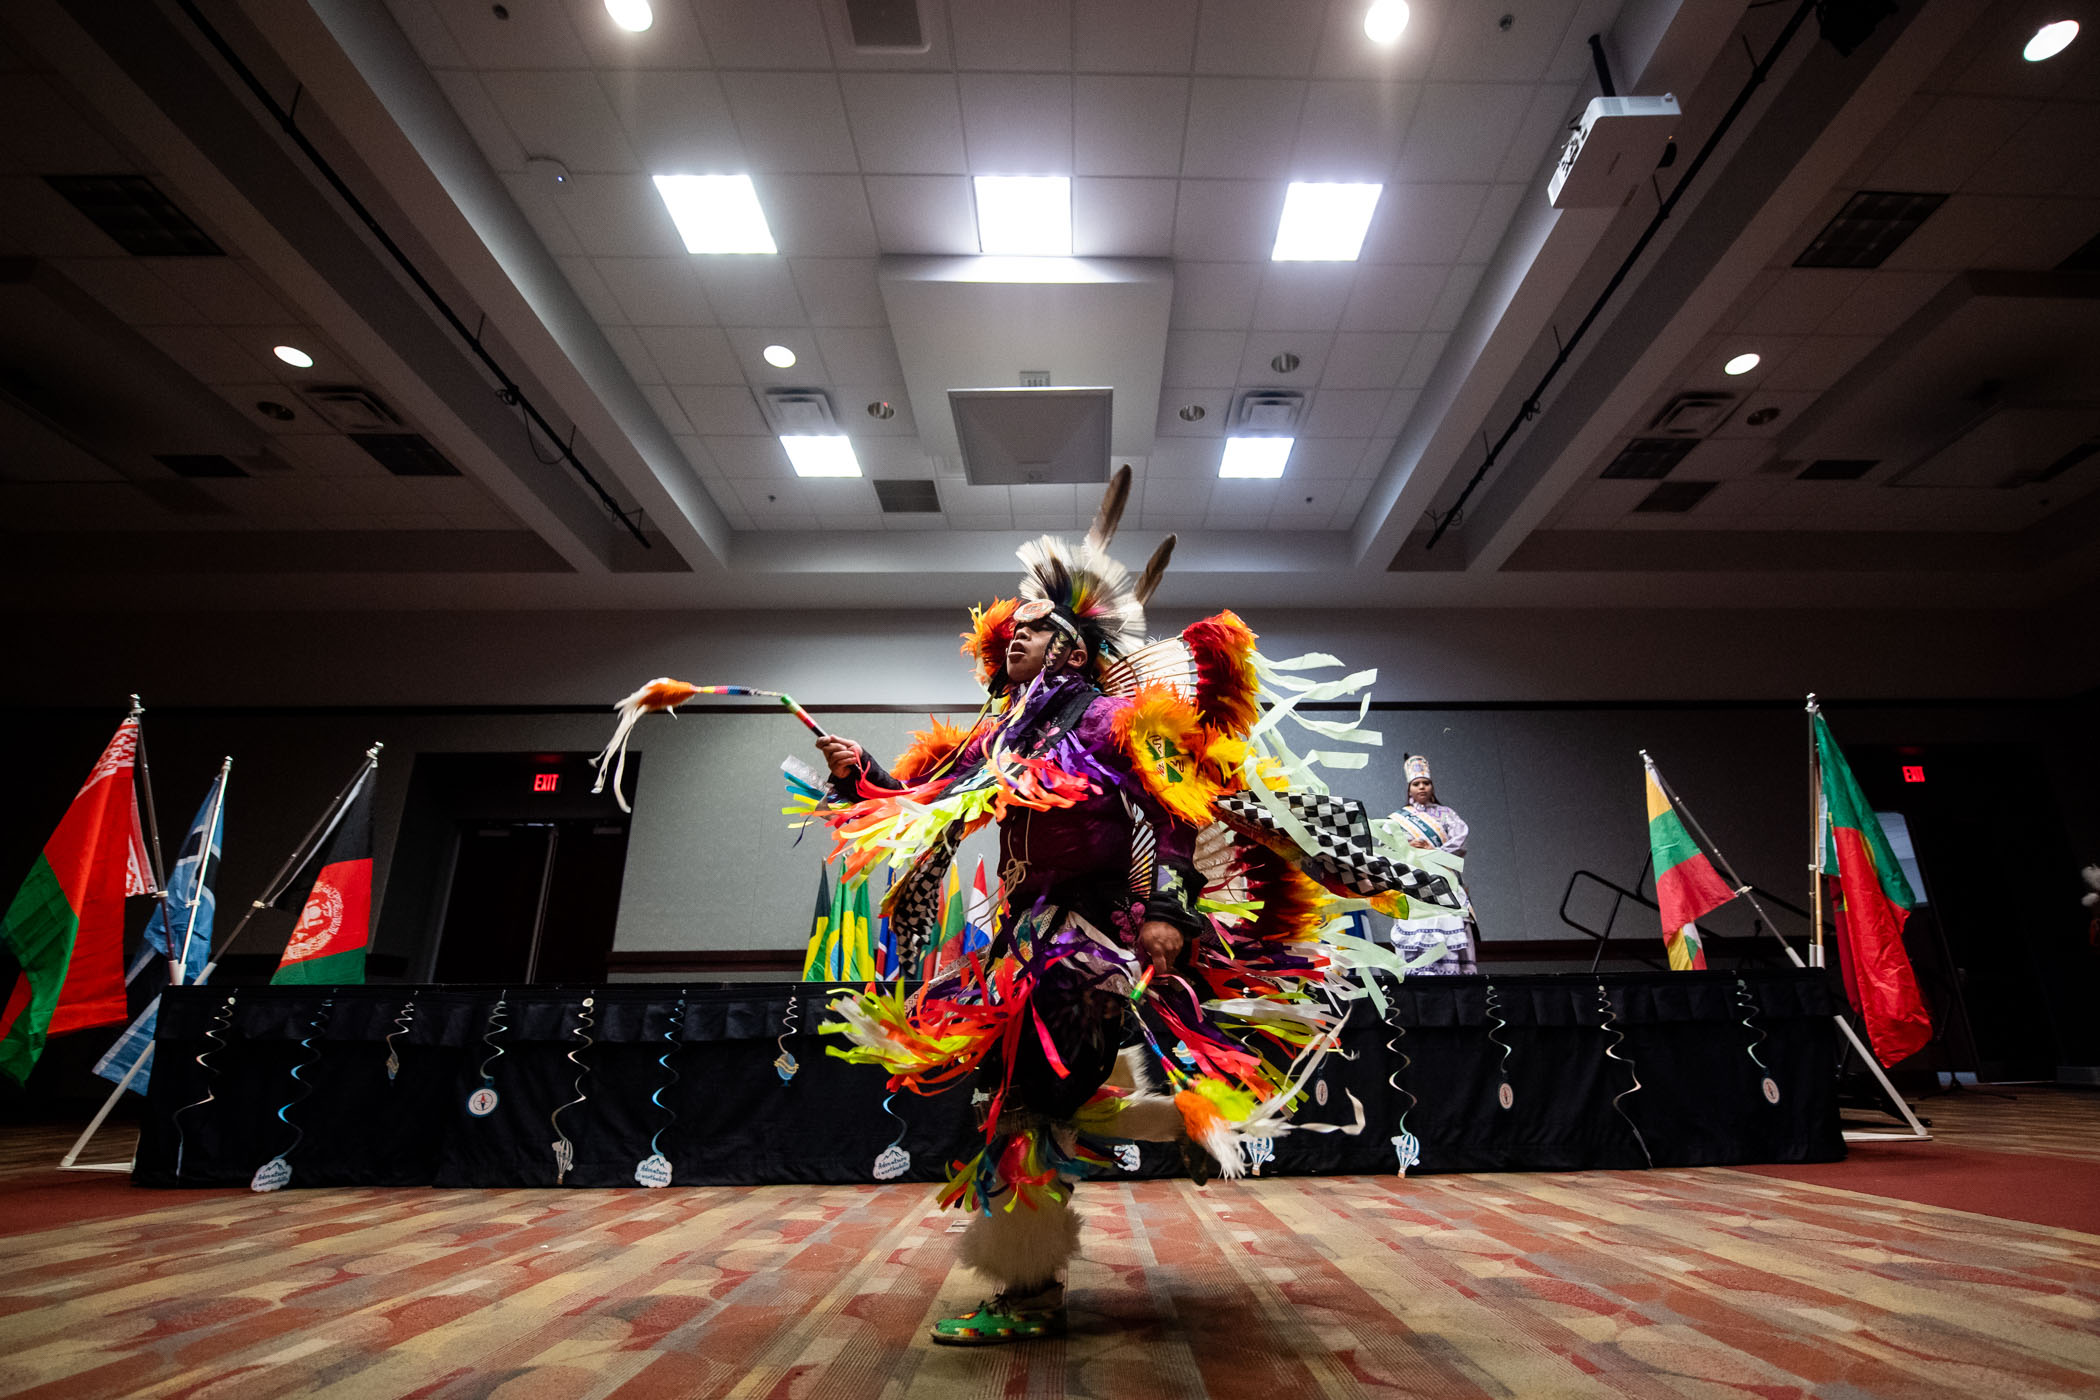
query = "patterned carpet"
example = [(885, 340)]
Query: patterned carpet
[(1701, 1283)]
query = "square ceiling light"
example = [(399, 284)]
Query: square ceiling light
[(1261, 457), (717, 213), (821, 456), (1027, 216), (1324, 223)]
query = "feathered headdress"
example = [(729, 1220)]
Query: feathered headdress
[(1082, 591)]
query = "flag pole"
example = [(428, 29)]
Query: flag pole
[(145, 772), (211, 840), (1815, 828), (319, 832)]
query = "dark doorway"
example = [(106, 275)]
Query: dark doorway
[(532, 901)]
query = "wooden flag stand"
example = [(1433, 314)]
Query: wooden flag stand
[(1918, 1131), (315, 837)]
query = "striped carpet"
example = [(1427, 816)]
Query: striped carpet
[(1697, 1283)]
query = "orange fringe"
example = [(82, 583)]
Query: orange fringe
[(984, 645), (929, 749), (1225, 682)]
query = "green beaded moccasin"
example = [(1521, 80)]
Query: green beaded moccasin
[(1009, 1317)]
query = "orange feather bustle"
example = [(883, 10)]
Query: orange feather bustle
[(1223, 647), (1163, 735), (929, 748), (984, 645)]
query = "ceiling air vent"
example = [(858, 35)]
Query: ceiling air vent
[(1026, 437), (1872, 225), (133, 212), (799, 412), (199, 464), (1838, 468), (886, 26), (350, 408), (1693, 415), (1674, 497), (908, 497), (1646, 459), (405, 454), (1268, 410)]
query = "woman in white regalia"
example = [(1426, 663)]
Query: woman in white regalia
[(1429, 825)]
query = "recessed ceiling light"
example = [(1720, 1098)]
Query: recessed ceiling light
[(717, 213), (634, 16), (1024, 215), (1324, 223), (1385, 20), (779, 356), (2050, 40), (293, 356), (1741, 364), (1255, 456), (822, 456)]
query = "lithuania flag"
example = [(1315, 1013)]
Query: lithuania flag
[(1686, 883), (64, 933), (1872, 900), (328, 944)]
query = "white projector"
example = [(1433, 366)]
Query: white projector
[(1617, 143)]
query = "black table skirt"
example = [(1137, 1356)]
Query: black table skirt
[(1577, 1047)]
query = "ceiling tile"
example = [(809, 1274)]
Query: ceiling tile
[(717, 410), (1203, 359), (775, 34), (841, 500), (1241, 127), (1474, 46), (563, 115), (893, 459), (1461, 132), (1181, 460), (850, 401), (791, 121), (702, 461), (1423, 223), (620, 216), (1421, 365), (641, 366), (1790, 406), (1227, 220), (1817, 362), (2052, 153), (657, 291), (1242, 505), (839, 291), (678, 122), (1275, 37), (32, 214), (541, 203), (749, 458), (432, 40), (860, 356), (905, 123), (976, 507), (1128, 126), (691, 355), (219, 357), (530, 36), (1215, 403), (1123, 218), (999, 34), (1882, 303), (1299, 296), (1017, 124), (2051, 231), (1361, 360), (1723, 459), (1345, 52), (668, 410), (1540, 136), (1345, 413), (1496, 209), (1800, 300), (819, 215), (1257, 362), (1326, 459), (923, 213), (1950, 143), (1393, 298), (1348, 131), (751, 291), (1215, 296), (1457, 294), (1115, 36), (673, 41), (484, 123), (590, 289), (128, 287), (1962, 233)]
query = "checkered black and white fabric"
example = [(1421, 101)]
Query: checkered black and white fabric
[(1345, 856)]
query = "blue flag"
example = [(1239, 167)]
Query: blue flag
[(180, 928)]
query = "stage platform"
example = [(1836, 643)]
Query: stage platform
[(1621, 1070)]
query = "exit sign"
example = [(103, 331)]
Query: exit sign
[(550, 782), (1913, 772)]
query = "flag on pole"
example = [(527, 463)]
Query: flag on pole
[(180, 928), (64, 932), (1686, 884), (859, 935), (947, 944), (335, 924), (983, 913), (1872, 900), (819, 927), (888, 961)]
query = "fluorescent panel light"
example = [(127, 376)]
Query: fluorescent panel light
[(634, 16), (1255, 456), (822, 456), (716, 213), (1384, 21), (2050, 40), (1324, 223), (1741, 364), (1025, 215)]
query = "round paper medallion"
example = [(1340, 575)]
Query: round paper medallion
[(1127, 1156), (482, 1102), (1320, 1092), (271, 1175), (893, 1163), (1771, 1087), (653, 1170)]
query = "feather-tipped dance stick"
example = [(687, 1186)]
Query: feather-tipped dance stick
[(667, 695)]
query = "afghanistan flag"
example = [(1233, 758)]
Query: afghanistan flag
[(62, 940), (335, 924), (1872, 900), (1686, 884)]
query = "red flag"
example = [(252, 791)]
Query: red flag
[(1872, 901)]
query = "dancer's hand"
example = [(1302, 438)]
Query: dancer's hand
[(1161, 943), (843, 755)]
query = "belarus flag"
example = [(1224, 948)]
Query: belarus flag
[(335, 925), (64, 933)]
